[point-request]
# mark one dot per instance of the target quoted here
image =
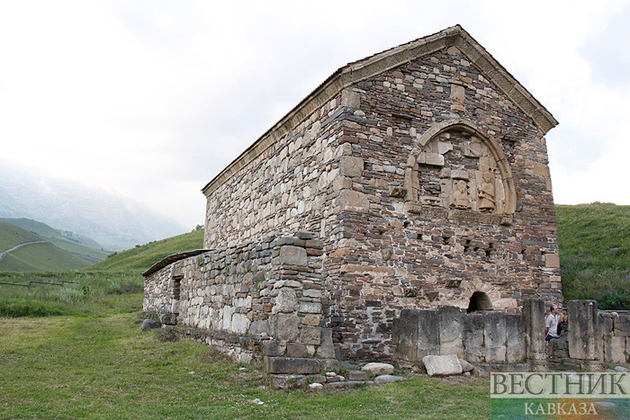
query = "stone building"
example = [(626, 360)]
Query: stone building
[(416, 178)]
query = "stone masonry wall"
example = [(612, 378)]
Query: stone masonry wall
[(270, 289), (286, 188), (426, 186), (404, 240)]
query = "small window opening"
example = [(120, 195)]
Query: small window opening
[(177, 281)]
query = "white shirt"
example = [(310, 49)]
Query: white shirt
[(552, 324)]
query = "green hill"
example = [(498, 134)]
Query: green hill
[(142, 257), (11, 235), (80, 246), (42, 256), (594, 244), (21, 250)]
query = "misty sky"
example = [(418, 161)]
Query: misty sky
[(151, 99)]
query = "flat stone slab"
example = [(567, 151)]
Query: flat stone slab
[(300, 365), (386, 379), (442, 365), (378, 368)]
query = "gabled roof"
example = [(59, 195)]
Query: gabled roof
[(371, 66)]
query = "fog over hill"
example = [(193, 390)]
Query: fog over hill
[(114, 221)]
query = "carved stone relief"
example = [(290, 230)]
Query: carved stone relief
[(458, 169)]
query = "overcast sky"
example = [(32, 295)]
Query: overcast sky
[(151, 99)]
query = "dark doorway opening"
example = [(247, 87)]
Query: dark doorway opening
[(479, 301)]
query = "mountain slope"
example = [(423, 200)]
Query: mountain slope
[(76, 245), (21, 250), (142, 257)]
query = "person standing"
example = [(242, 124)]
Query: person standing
[(551, 324)]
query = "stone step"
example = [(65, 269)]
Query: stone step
[(300, 365)]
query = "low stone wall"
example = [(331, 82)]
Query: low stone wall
[(270, 290), (497, 337), (482, 337), (598, 335)]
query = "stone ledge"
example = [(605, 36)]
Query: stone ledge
[(300, 365), (347, 384)]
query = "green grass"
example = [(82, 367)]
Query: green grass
[(142, 257), (40, 257), (594, 244), (105, 367), (77, 293)]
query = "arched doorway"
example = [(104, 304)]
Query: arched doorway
[(479, 301)]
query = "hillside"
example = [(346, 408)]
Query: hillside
[(80, 246), (21, 250), (594, 244), (142, 257)]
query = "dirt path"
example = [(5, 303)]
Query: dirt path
[(13, 248)]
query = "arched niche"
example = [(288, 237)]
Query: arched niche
[(479, 301), (458, 167)]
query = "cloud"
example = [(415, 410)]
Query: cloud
[(153, 99)]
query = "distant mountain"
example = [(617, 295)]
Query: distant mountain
[(23, 250), (111, 220)]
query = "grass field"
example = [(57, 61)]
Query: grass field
[(105, 367)]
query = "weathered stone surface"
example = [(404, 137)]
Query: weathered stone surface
[(287, 327), (378, 368), (293, 255), (300, 365), (442, 365), (288, 381), (315, 386), (347, 384), (310, 307), (354, 201), (351, 166), (451, 330), (584, 342), (296, 350), (473, 338), (168, 319), (466, 367), (320, 379), (495, 338), (387, 379), (311, 335), (273, 348), (148, 324), (311, 320), (286, 301), (515, 338), (326, 350), (358, 375)]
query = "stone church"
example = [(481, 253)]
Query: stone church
[(416, 178)]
